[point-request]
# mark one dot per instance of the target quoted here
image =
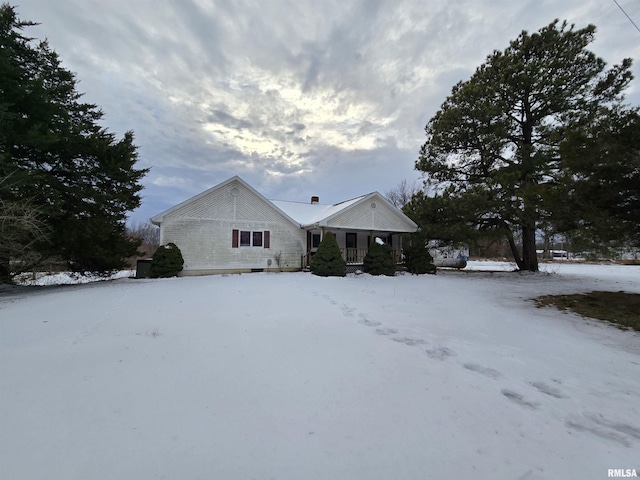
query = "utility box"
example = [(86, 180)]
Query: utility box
[(143, 268)]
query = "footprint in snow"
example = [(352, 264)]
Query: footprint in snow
[(518, 399), (329, 299), (347, 311), (364, 319), (486, 371), (386, 331), (600, 426), (547, 389), (409, 341), (440, 353)]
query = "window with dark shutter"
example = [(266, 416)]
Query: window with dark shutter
[(247, 238)]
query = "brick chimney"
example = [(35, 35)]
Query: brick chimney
[(315, 199)]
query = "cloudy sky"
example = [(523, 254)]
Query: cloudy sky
[(299, 98)]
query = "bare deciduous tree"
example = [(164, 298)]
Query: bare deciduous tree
[(402, 193), (22, 226), (148, 233)]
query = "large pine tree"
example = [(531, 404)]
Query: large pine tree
[(78, 177), (497, 148)]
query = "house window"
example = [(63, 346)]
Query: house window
[(247, 238), (315, 240), (352, 240), (257, 239)]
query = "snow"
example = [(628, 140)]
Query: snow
[(310, 213), (69, 278), (293, 376)]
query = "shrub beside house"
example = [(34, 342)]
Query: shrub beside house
[(379, 259), (328, 261), (167, 261)]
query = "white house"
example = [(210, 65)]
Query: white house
[(232, 228)]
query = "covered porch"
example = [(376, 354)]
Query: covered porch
[(354, 244)]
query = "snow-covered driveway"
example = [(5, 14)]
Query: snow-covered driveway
[(292, 376)]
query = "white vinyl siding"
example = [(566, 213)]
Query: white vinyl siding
[(371, 214), (203, 231)]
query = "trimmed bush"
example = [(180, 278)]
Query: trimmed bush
[(379, 260), (167, 261), (417, 258), (328, 261)]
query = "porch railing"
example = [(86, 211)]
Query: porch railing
[(353, 256)]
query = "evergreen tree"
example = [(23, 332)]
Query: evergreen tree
[(379, 260), (328, 261), (600, 192), (417, 258), (495, 144), (77, 175)]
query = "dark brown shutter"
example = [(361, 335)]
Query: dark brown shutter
[(267, 239), (234, 239)]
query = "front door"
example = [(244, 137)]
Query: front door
[(351, 240), (351, 247)]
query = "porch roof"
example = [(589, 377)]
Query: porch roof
[(315, 215)]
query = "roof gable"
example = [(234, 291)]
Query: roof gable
[(372, 212), (357, 213), (220, 202)]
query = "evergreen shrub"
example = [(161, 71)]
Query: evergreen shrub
[(167, 261), (379, 260), (417, 258), (328, 261)]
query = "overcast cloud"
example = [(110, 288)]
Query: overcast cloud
[(299, 98)]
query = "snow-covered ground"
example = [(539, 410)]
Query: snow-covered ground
[(68, 278), (292, 376)]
